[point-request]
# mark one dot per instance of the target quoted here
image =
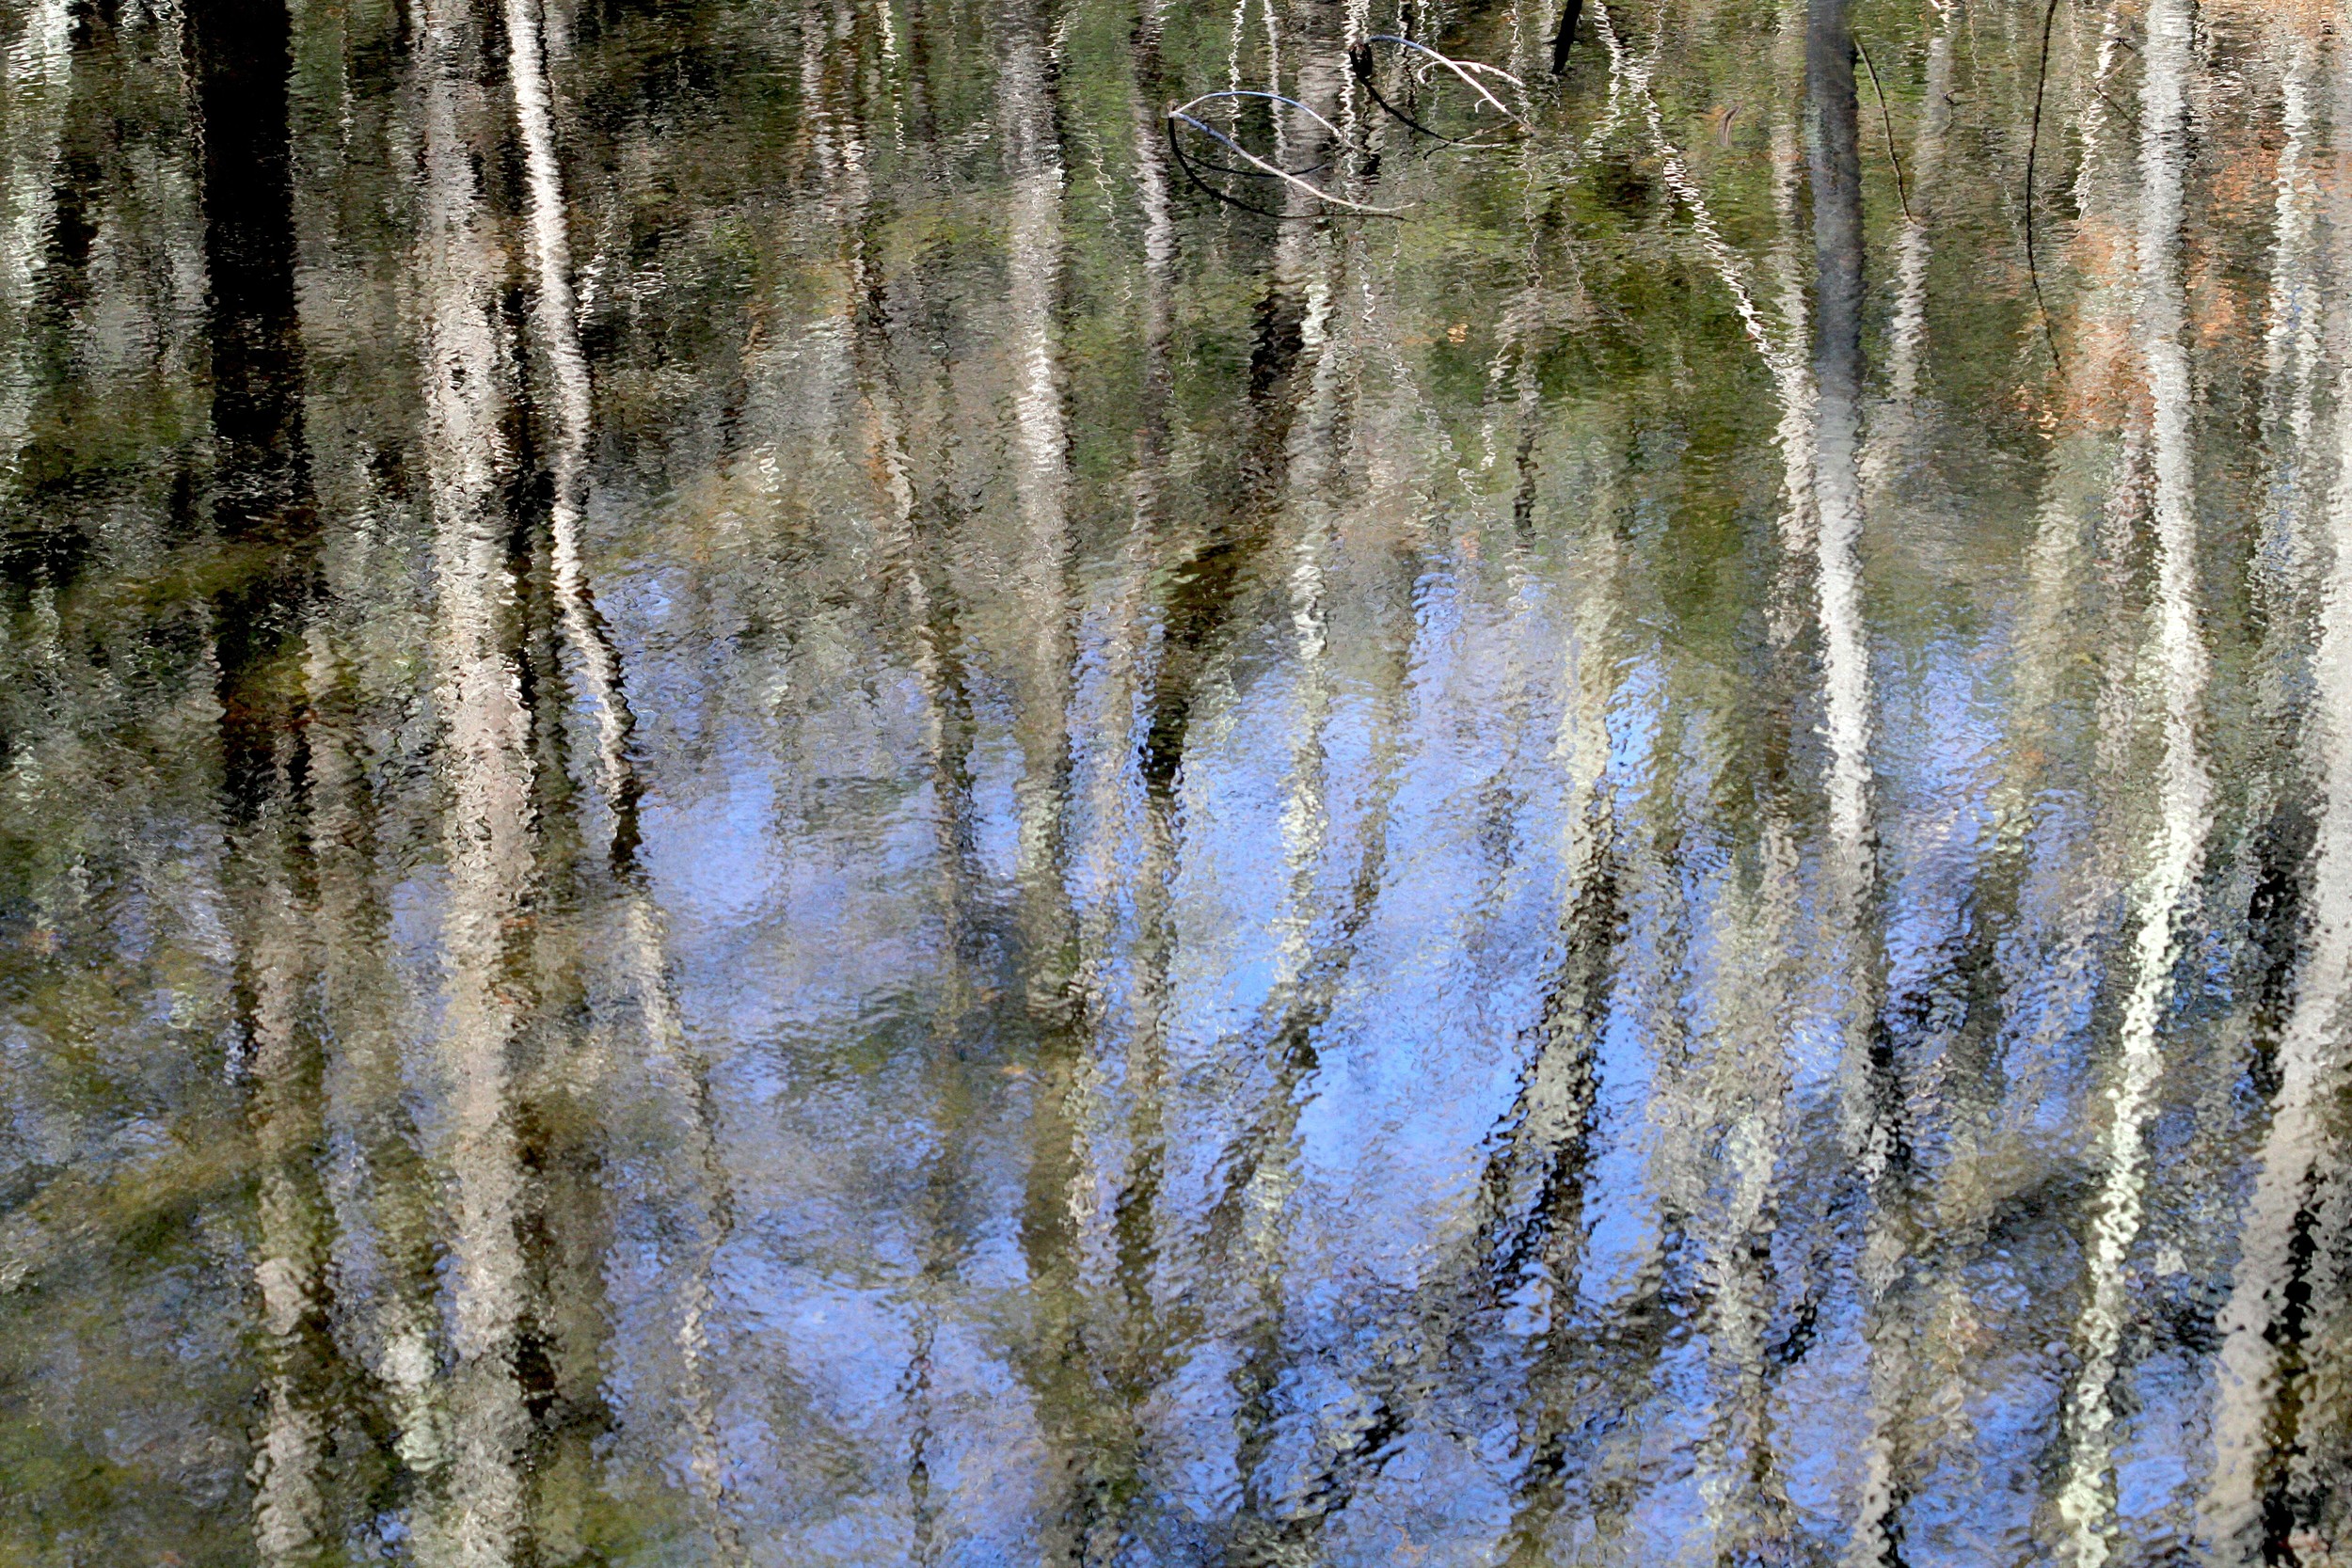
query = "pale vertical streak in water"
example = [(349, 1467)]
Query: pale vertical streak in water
[(1522, 53), (487, 758), (1747, 1502), (1257, 1161), (1031, 163), (2085, 1503), (1545, 1140), (1634, 79), (1597, 1362), (2294, 354), (1135, 1212), (1305, 816), (2045, 643), (936, 660), (1748, 1508), (1752, 1507), (903, 553), (1552, 1119), (1110, 671), (1799, 429), (1355, 32), (2321, 1454), (1232, 57), (1307, 973), (376, 1192), (670, 1072), (1837, 498), (1034, 242), (1514, 350), (2293, 1187), (1908, 335), (1783, 353), (288, 1509), (556, 315), (1894, 434), (40, 61), (1868, 1121), (1535, 1134), (1305, 266), (1112, 1195), (2099, 370), (1274, 69), (2285, 570), (1799, 438)]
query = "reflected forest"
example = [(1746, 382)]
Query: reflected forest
[(1175, 783)]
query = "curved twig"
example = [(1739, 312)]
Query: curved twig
[(1463, 69), (2033, 151), (1394, 113), (1253, 173), (1336, 135), (1489, 70), (1193, 175), (1902, 192), (1234, 147), (1260, 174)]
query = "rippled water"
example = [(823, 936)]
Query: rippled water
[(769, 800)]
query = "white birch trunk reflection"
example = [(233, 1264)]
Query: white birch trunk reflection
[(670, 1076), (1033, 240), (377, 1189), (1288, 981), (39, 66), (490, 840), (2295, 1193), (1897, 424), (288, 1511), (2085, 1503)]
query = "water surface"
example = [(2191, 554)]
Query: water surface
[(782, 789)]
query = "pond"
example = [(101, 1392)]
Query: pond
[(1086, 781)]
